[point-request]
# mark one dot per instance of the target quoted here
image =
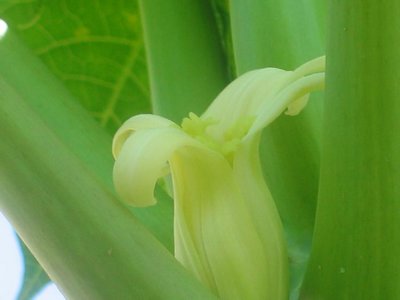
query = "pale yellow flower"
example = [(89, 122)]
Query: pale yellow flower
[(227, 229)]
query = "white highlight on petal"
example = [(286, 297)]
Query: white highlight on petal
[(11, 262), (49, 292), (3, 28)]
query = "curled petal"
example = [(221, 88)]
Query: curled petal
[(145, 121), (264, 94), (142, 159), (244, 96), (291, 95), (316, 65)]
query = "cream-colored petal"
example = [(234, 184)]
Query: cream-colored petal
[(249, 177), (270, 110), (216, 235), (296, 106), (251, 95), (145, 121), (315, 65), (243, 97), (142, 161)]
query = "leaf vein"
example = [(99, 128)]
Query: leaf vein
[(82, 40), (124, 76)]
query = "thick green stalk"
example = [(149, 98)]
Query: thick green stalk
[(186, 64), (72, 124), (356, 244), (285, 34), (281, 34), (87, 241)]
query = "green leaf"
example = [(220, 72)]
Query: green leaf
[(34, 276), (94, 47)]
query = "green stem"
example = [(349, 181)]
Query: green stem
[(186, 64), (74, 126), (87, 241), (356, 244), (281, 34)]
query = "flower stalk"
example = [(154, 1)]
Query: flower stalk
[(56, 197), (356, 243)]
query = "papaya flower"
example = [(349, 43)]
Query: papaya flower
[(227, 230)]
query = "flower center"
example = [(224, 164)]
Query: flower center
[(197, 128)]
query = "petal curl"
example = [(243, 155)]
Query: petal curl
[(142, 159), (294, 94), (144, 121), (243, 97), (264, 94)]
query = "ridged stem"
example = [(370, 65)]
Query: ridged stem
[(185, 57), (356, 244)]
